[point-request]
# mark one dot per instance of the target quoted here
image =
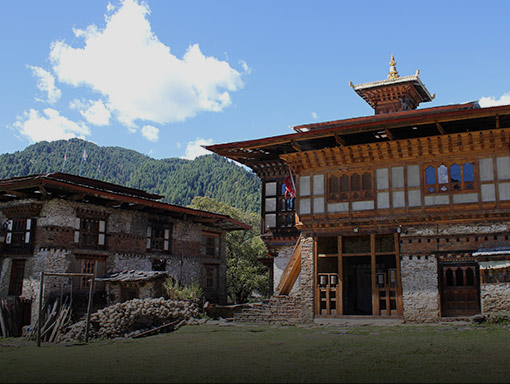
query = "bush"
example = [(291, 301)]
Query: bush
[(177, 292)]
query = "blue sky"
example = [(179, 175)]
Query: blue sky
[(162, 77)]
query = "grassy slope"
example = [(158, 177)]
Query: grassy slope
[(211, 353)]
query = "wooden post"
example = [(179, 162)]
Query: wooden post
[(316, 277), (89, 308), (39, 316), (340, 286), (400, 303), (375, 298)]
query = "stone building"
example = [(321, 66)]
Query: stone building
[(401, 214), (61, 223)]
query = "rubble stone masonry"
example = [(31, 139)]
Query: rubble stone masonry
[(307, 279), (420, 288), (495, 297)]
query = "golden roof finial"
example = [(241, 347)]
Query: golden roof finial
[(393, 74)]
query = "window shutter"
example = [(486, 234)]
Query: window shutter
[(77, 222), (28, 227), (149, 234), (8, 236), (102, 229), (166, 243)]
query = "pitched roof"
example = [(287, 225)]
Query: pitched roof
[(77, 188)]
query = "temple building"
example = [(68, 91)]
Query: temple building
[(401, 214)]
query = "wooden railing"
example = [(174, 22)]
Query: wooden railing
[(291, 272)]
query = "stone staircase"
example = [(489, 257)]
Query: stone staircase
[(281, 309)]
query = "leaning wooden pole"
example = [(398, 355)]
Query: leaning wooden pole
[(39, 316), (89, 308)]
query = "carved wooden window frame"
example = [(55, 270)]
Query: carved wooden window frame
[(90, 232), (362, 180), (211, 244), (442, 186), (19, 232), (159, 237)]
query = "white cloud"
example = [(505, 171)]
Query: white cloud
[(246, 68), (50, 126), (139, 76), (194, 148), (95, 112), (314, 116), (150, 133), (491, 101), (46, 83)]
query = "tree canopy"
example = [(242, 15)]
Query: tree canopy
[(178, 180)]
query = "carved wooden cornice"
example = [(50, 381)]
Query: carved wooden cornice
[(25, 210), (481, 142), (272, 168)]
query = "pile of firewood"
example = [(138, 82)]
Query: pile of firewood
[(136, 318), (57, 317)]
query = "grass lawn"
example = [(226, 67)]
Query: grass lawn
[(252, 353)]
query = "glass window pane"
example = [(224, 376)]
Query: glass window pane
[(468, 172), (455, 173), (442, 174), (430, 175)]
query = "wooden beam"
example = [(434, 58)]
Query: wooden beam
[(17, 193), (44, 192), (497, 121), (440, 128), (389, 134), (296, 146), (340, 140)]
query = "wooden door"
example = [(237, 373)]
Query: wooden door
[(17, 275), (460, 289)]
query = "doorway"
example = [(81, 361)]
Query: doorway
[(357, 284), (460, 289)]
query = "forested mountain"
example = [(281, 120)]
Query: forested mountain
[(178, 180)]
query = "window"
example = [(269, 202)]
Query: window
[(19, 232), (90, 232), (356, 186), (449, 177), (211, 244), (159, 237), (93, 266), (17, 275), (211, 277)]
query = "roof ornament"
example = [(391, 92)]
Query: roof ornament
[(393, 74)]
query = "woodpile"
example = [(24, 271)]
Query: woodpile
[(135, 318), (14, 314)]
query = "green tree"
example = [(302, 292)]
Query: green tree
[(245, 273)]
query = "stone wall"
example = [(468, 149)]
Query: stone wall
[(495, 297), (420, 288), (125, 249), (307, 279)]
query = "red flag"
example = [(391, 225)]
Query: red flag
[(290, 187)]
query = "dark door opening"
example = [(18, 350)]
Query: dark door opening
[(357, 280)]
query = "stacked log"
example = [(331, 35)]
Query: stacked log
[(135, 317)]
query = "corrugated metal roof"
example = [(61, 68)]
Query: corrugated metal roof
[(132, 275)]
